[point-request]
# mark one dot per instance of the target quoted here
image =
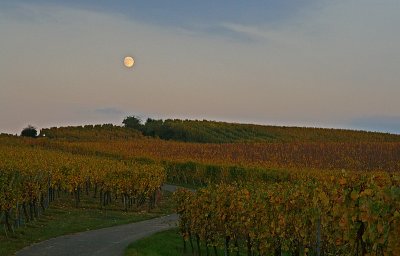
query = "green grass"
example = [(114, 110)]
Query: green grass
[(170, 243), (166, 243), (63, 218)]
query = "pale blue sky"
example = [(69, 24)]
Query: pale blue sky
[(302, 63)]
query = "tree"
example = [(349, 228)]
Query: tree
[(29, 131), (133, 122), (153, 127)]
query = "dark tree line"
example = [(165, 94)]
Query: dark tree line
[(167, 130)]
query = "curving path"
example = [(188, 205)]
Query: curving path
[(106, 241)]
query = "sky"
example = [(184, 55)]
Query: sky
[(316, 63)]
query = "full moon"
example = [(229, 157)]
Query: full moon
[(129, 62)]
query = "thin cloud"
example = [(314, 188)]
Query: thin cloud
[(248, 31)]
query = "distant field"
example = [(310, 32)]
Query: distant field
[(361, 156)]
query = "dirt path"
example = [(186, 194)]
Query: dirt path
[(106, 241)]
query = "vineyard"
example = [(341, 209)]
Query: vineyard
[(221, 132), (90, 133), (31, 178), (342, 214), (302, 195), (363, 156)]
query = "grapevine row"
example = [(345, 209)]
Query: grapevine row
[(349, 214), (31, 178), (358, 156)]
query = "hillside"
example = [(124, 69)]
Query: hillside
[(213, 132), (222, 132), (219, 143), (91, 132)]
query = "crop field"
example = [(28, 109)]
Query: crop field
[(299, 196)]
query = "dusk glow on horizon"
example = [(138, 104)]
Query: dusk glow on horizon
[(295, 63)]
